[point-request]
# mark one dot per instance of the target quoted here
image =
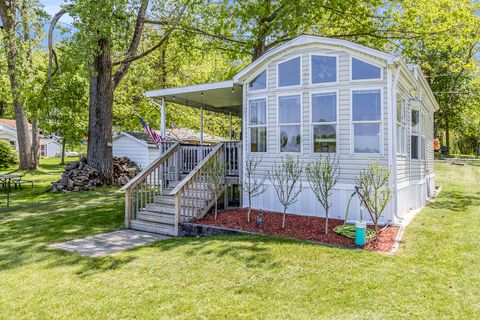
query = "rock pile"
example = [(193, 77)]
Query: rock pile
[(79, 175)]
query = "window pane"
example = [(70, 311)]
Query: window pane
[(324, 69), (260, 82), (324, 138), (290, 138), (258, 139), (366, 138), (258, 111), (324, 107), (366, 105), (289, 109), (414, 147), (289, 73), (363, 70), (415, 121), (399, 108)]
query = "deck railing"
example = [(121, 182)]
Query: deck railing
[(149, 183), (233, 152), (192, 196)]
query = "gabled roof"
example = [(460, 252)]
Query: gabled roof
[(306, 40), (11, 123)]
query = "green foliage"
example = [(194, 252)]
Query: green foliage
[(322, 175), (285, 178), (375, 190), (8, 155)]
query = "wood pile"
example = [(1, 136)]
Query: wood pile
[(79, 175)]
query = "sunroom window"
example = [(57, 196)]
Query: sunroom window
[(259, 83), (362, 70), (289, 73), (289, 112), (324, 69), (258, 125), (415, 133), (366, 120), (324, 122)]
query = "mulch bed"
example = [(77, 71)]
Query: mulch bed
[(296, 226)]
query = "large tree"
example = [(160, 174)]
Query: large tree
[(102, 30), (19, 20)]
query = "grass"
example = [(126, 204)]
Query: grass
[(435, 274)]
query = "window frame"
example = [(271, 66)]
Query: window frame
[(313, 124), (249, 126), (350, 69), (337, 69), (418, 134), (279, 147), (380, 122), (403, 125), (261, 91), (278, 73)]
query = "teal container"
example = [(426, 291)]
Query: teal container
[(360, 233)]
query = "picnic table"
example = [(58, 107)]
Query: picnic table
[(6, 181)]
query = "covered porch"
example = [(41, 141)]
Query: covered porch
[(220, 97)]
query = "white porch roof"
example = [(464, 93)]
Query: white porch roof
[(223, 97)]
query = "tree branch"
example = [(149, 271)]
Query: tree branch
[(51, 52)]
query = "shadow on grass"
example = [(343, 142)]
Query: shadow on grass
[(455, 201)]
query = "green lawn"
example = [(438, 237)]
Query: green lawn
[(435, 274)]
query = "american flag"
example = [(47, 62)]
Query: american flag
[(153, 135)]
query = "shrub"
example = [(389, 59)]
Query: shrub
[(8, 155)]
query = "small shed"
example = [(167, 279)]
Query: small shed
[(50, 148), (136, 146)]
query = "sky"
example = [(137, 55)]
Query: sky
[(53, 6)]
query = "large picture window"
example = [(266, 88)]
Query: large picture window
[(257, 113), (362, 70), (366, 120), (415, 133), (259, 83), (289, 73), (289, 120), (324, 69), (401, 125), (324, 122)]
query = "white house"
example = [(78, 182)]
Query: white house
[(50, 148), (8, 131), (312, 96)]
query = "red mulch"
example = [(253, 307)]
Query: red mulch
[(296, 226)]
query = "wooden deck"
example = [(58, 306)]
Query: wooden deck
[(173, 188)]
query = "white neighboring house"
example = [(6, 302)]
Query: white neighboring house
[(8, 131), (50, 148), (313, 95)]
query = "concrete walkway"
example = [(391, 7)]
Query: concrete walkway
[(107, 243)]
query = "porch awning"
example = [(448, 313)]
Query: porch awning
[(223, 97)]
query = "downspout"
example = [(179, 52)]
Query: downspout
[(393, 98)]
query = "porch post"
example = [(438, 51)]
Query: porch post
[(201, 126), (162, 118), (230, 129)]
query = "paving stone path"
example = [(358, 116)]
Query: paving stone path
[(107, 243)]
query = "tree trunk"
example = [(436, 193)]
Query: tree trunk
[(62, 161), (249, 208), (99, 154), (35, 143), (283, 218), (447, 132), (326, 221), (23, 136)]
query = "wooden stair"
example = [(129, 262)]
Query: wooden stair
[(159, 216)]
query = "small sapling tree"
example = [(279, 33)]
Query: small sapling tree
[(215, 180), (285, 179), (376, 190), (252, 186), (322, 175)]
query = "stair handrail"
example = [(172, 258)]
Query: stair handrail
[(192, 176), (152, 166), (187, 179)]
